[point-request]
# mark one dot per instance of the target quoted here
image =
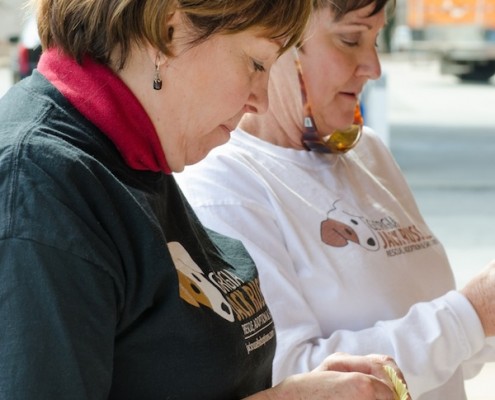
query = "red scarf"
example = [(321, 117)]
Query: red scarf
[(101, 96)]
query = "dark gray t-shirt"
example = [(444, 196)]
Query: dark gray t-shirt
[(109, 286)]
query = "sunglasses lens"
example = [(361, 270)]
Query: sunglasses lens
[(341, 141)]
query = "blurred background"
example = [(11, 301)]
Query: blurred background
[(434, 106)]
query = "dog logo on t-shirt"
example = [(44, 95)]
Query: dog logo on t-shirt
[(342, 227), (195, 288)]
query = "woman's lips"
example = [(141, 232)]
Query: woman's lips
[(349, 94), (226, 129)]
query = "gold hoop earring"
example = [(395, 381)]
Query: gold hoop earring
[(157, 82)]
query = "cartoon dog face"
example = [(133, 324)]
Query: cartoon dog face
[(195, 288), (342, 227)]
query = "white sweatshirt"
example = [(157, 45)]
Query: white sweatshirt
[(346, 261)]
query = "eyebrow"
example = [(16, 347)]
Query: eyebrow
[(369, 27)]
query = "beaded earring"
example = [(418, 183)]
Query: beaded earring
[(157, 82)]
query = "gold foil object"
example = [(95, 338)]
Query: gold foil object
[(401, 392)]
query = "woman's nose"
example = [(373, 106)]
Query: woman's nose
[(258, 99), (370, 65)]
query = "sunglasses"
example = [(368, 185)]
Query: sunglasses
[(337, 142)]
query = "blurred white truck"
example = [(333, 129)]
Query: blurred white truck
[(461, 32)]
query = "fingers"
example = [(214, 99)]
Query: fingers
[(382, 390), (346, 363), (373, 365), (332, 385), (381, 363), (371, 387), (359, 386), (370, 364)]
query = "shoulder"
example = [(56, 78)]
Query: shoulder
[(375, 156), (372, 149), (45, 154), (372, 139), (50, 176), (42, 135)]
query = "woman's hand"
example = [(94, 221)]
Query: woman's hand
[(372, 364), (339, 377), (480, 291)]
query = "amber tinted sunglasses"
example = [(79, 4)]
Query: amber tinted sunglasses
[(338, 141)]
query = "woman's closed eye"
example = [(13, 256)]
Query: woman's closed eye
[(258, 66), (350, 41)]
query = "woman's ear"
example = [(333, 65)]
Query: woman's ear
[(178, 34), (173, 22)]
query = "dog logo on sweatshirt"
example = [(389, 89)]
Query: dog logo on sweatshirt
[(343, 227), (195, 288)]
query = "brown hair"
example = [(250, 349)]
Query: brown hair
[(98, 27), (342, 7)]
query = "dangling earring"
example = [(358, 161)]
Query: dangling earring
[(157, 82)]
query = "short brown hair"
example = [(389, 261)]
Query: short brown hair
[(97, 27), (342, 7)]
